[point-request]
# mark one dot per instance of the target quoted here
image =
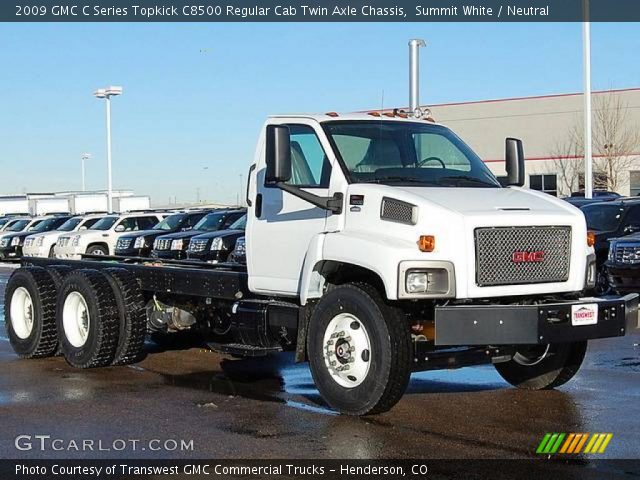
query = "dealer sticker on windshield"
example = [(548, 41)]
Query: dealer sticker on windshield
[(586, 314)]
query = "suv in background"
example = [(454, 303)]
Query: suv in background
[(12, 243), (8, 218), (215, 247), (239, 254), (174, 246), (610, 220), (577, 199), (139, 244), (102, 238), (43, 244), (623, 264)]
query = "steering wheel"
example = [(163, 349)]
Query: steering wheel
[(431, 159)]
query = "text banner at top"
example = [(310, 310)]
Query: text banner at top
[(320, 11)]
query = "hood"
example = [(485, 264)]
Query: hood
[(146, 233), (179, 235), (52, 233), (481, 201), (219, 233)]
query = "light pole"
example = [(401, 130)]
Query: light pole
[(107, 93), (586, 51), (83, 158)]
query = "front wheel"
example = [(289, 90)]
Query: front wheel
[(97, 250), (359, 350), (541, 367)]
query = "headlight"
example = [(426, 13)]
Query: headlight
[(177, 244), (612, 248), (433, 279), (40, 242), (4, 242), (218, 244), (140, 243), (76, 241), (15, 241)]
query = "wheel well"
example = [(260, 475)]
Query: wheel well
[(338, 273), (100, 244)]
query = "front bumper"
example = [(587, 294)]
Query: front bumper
[(10, 252), (624, 279), (209, 256), (68, 253), (533, 324), (169, 254), (133, 252)]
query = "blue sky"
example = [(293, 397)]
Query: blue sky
[(195, 95)]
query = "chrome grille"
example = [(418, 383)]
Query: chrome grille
[(28, 242), (198, 245), (398, 211), (63, 241), (628, 255), (498, 250), (162, 244), (123, 243)]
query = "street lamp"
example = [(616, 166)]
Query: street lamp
[(84, 157), (107, 93)]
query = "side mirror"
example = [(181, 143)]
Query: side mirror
[(278, 154), (83, 228), (514, 159), (120, 228)]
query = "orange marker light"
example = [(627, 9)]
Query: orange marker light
[(591, 238), (427, 243)]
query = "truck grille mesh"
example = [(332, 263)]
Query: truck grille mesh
[(162, 244), (628, 255), (497, 249), (398, 211), (123, 243)]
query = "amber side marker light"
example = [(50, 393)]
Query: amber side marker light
[(591, 238), (427, 243)]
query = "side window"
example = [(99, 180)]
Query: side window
[(231, 219), (309, 165), (129, 224), (193, 219), (146, 223)]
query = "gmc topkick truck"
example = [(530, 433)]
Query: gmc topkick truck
[(377, 245)]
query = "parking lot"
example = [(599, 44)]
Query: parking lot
[(269, 408)]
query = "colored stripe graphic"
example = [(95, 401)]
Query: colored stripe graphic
[(573, 443)]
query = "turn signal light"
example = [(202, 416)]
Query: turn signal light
[(591, 238), (427, 243)]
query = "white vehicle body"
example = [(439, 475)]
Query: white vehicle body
[(361, 238), (42, 244), (29, 223), (72, 246)]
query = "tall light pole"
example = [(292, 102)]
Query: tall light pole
[(83, 158), (586, 51), (107, 93)]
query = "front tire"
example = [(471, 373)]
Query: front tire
[(97, 250), (359, 350), (87, 319), (543, 367), (30, 313)]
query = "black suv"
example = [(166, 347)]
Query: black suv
[(623, 264), (174, 246), (11, 245), (609, 220), (139, 244), (215, 247)]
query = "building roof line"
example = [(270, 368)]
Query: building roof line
[(567, 157)]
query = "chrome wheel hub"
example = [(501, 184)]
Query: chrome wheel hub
[(347, 350)]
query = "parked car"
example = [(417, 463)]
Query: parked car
[(174, 246), (239, 254), (43, 244), (12, 243), (609, 220), (104, 234), (140, 244), (577, 199), (215, 247), (8, 218), (623, 264)]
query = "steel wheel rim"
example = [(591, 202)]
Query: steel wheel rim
[(528, 360), (21, 311), (347, 350), (76, 319), (97, 251)]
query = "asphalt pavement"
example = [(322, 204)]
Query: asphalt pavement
[(269, 408)]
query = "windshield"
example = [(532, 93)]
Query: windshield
[(240, 224), (46, 225), (34, 225), (211, 222), (171, 222), (407, 153), (603, 217), (18, 226), (69, 225), (104, 223)]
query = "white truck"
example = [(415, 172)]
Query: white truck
[(376, 246)]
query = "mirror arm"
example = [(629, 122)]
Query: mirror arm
[(333, 204)]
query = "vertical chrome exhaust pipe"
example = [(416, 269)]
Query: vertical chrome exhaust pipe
[(414, 73)]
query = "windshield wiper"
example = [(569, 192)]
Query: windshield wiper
[(467, 178), (403, 179)]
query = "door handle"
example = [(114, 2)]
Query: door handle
[(258, 207)]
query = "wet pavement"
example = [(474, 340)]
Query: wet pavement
[(269, 408)]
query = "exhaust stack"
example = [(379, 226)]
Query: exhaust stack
[(414, 74)]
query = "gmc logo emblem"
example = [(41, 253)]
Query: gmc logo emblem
[(527, 257)]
